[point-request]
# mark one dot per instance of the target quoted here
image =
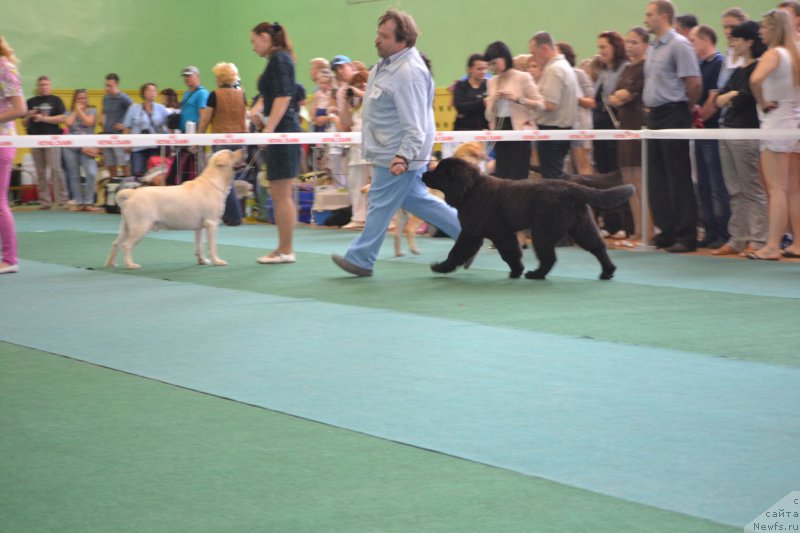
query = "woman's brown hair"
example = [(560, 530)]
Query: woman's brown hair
[(617, 44), (280, 39), (75, 97), (783, 36)]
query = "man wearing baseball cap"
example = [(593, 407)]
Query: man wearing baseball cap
[(194, 99)]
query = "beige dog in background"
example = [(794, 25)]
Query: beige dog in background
[(471, 152), (193, 205)]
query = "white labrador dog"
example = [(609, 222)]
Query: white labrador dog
[(193, 205)]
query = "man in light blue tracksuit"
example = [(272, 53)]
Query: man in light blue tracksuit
[(397, 138)]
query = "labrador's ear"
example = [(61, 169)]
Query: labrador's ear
[(221, 158)]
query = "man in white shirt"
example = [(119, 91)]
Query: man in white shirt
[(559, 87)]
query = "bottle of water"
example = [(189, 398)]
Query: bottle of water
[(249, 208)]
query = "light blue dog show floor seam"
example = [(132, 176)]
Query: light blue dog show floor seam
[(705, 436)]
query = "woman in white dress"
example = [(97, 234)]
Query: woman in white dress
[(776, 86)]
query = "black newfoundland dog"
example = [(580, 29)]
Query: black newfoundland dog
[(496, 209)]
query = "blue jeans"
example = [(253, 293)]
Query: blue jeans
[(139, 161), (82, 190), (389, 193), (715, 202)]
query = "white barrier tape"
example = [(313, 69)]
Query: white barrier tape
[(723, 134), (175, 139), (536, 135), (211, 139), (614, 135)]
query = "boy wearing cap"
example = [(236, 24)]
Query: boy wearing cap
[(344, 70)]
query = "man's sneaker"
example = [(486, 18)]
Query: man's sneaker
[(350, 268)]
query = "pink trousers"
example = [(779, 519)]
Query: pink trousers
[(8, 234)]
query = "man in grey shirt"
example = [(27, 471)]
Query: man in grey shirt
[(115, 105), (397, 139), (672, 87)]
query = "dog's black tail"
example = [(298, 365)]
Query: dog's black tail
[(607, 198)]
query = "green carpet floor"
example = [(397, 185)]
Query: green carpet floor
[(726, 324), (86, 449)]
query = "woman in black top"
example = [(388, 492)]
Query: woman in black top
[(277, 86), (469, 94), (740, 158)]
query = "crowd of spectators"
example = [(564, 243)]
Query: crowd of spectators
[(737, 196)]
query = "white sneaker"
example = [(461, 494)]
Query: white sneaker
[(353, 225), (10, 269), (276, 258)]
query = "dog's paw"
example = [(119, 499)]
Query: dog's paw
[(414, 250), (514, 274), (110, 264), (442, 268), (203, 261), (534, 274), (133, 266), (220, 262), (399, 253), (607, 274)]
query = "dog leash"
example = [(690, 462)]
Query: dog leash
[(489, 146), (252, 161), (246, 169)]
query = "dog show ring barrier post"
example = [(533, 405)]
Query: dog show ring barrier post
[(644, 204), (183, 140)]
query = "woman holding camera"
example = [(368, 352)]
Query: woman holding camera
[(145, 118), (512, 97), (81, 120)]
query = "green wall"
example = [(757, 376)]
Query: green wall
[(76, 42)]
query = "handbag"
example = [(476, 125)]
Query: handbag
[(174, 121)]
